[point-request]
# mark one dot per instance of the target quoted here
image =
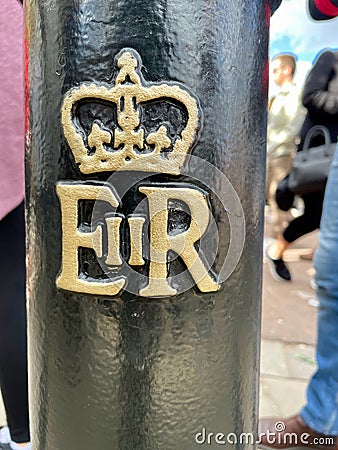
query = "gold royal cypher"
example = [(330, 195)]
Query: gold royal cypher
[(163, 154)]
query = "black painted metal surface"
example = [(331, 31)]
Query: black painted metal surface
[(130, 372)]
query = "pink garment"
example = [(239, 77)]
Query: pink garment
[(12, 106)]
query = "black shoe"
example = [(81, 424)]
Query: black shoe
[(278, 269)]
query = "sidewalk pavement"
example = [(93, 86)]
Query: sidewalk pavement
[(288, 335)]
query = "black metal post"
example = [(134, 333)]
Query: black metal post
[(145, 181)]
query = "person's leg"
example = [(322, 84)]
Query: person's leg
[(308, 221), (278, 169), (277, 249), (321, 409), (277, 266), (300, 226), (13, 353)]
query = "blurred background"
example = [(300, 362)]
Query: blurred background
[(293, 31), (290, 309)]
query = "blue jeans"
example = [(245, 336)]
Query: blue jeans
[(321, 411)]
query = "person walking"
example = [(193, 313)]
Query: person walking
[(284, 120), (320, 97)]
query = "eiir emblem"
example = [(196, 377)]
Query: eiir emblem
[(131, 141)]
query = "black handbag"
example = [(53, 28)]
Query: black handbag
[(311, 166)]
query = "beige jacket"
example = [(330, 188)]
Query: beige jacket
[(285, 117)]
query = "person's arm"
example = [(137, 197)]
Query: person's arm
[(316, 97), (323, 9)]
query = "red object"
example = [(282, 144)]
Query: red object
[(326, 7)]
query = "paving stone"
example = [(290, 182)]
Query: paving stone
[(300, 361), (281, 397), (287, 360), (273, 358), (289, 309)]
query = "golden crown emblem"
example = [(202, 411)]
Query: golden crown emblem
[(128, 141)]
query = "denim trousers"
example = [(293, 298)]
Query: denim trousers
[(321, 410)]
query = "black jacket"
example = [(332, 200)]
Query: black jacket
[(274, 5), (320, 96)]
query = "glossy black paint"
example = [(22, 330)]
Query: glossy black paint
[(132, 373)]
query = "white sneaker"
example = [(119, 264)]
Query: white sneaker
[(15, 446), (5, 436)]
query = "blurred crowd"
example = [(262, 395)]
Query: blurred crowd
[(302, 196)]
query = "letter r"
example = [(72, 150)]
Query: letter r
[(182, 243)]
